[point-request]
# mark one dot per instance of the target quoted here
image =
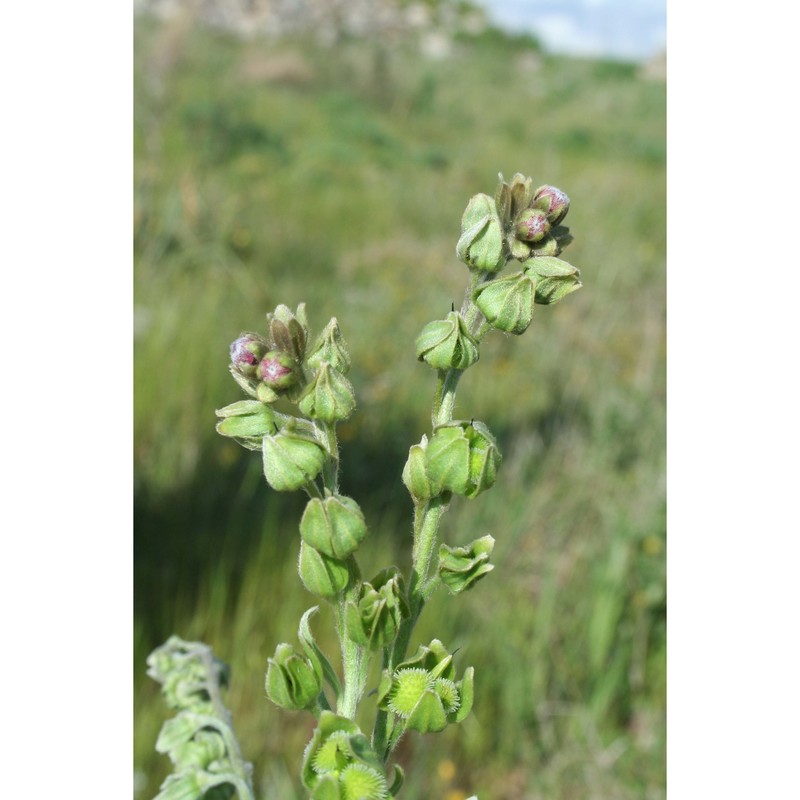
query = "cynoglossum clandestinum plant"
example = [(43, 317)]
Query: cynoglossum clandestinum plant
[(520, 228)]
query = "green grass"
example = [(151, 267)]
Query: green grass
[(268, 174)]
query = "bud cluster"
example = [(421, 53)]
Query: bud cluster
[(281, 366)]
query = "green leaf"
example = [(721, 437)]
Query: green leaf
[(317, 658)]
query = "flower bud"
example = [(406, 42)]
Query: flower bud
[(460, 568), (321, 575), (447, 344), (247, 419), (288, 331), (532, 225), (279, 370), (246, 352), (554, 278), (507, 302), (291, 681), (553, 202), (340, 764), (331, 347), (462, 457), (329, 396), (481, 243), (291, 460), (335, 526), (374, 620), (415, 477)]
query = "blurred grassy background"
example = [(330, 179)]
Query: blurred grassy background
[(337, 176)]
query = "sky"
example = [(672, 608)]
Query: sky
[(623, 29)]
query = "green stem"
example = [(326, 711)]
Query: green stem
[(352, 667)]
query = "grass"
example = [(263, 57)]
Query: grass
[(289, 173)]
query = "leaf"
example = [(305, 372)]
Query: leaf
[(317, 658)]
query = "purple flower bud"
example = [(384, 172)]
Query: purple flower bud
[(278, 370), (246, 352), (532, 225), (553, 202)]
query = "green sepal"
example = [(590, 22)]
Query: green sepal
[(327, 789), (415, 477), (246, 419), (466, 690), (460, 568), (517, 248), (447, 461), (433, 658), (289, 331), (480, 245), (292, 682), (330, 347), (317, 658), (374, 619), (428, 715), (554, 277), (462, 457), (248, 384), (335, 526), (508, 302), (502, 201), (291, 460), (329, 396), (521, 188), (324, 576), (447, 343)]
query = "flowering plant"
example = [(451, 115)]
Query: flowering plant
[(375, 618)]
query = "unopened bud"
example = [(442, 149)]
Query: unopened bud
[(291, 460), (507, 303), (554, 278), (553, 202), (532, 225), (246, 353), (447, 343), (321, 575), (331, 347), (335, 526), (279, 370), (462, 457), (329, 396), (291, 681), (481, 243)]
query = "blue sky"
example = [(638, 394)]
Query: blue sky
[(626, 29)]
